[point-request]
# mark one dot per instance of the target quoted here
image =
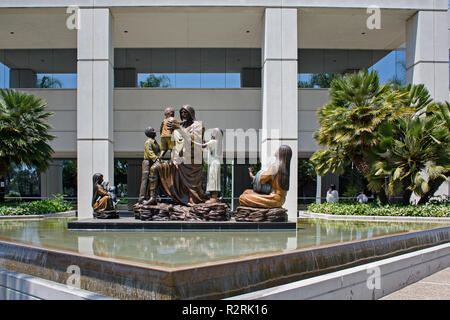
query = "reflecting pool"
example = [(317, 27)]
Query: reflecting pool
[(187, 248)]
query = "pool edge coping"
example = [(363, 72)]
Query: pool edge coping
[(325, 216)]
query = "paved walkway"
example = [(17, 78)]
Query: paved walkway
[(434, 287)]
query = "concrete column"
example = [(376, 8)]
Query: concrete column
[(95, 153), (319, 190), (427, 52), (427, 48), (52, 180), (279, 92)]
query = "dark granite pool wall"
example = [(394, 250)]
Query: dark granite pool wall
[(129, 280)]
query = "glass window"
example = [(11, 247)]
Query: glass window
[(187, 80), (121, 178), (318, 67), (23, 181), (69, 173), (232, 80), (213, 80), (392, 67), (213, 68), (156, 80), (4, 76), (316, 80), (38, 68), (187, 67)]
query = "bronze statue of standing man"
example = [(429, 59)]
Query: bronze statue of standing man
[(151, 153)]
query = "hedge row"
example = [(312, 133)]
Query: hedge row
[(362, 209), (57, 204)]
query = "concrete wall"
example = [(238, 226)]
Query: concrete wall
[(309, 101), (135, 109), (63, 102), (366, 282)]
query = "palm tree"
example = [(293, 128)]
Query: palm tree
[(349, 123), (24, 133), (441, 112), (409, 148)]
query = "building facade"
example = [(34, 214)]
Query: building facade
[(108, 69)]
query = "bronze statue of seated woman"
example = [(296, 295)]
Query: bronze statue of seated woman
[(277, 176), (103, 199)]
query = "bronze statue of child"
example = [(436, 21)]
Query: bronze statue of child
[(151, 155), (167, 142)]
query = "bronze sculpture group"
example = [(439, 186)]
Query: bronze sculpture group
[(174, 167)]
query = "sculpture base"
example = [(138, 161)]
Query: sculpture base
[(170, 212), (133, 225), (248, 214), (106, 214)]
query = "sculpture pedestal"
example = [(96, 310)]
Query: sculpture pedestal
[(170, 212), (248, 214), (106, 214)]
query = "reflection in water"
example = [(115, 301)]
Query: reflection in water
[(174, 248), (85, 245)]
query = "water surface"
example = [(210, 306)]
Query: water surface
[(187, 248)]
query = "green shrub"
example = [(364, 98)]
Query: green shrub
[(12, 211), (54, 205), (363, 209), (15, 195)]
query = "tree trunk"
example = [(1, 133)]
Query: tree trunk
[(362, 165), (406, 198), (383, 198), (3, 170), (434, 186)]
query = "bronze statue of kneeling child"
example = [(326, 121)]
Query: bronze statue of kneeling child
[(104, 200)]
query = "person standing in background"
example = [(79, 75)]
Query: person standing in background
[(362, 198), (332, 194)]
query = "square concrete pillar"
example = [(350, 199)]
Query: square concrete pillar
[(427, 46), (95, 142), (279, 92), (427, 52)]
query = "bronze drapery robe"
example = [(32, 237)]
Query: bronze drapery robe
[(181, 178)]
